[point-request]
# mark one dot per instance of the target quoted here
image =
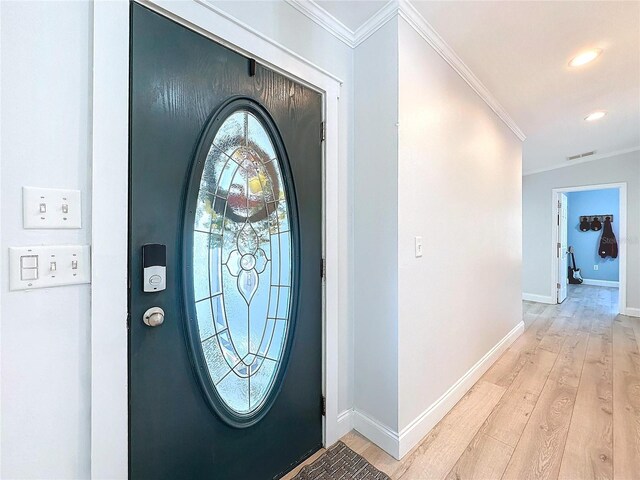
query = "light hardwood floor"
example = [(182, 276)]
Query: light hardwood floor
[(562, 403)]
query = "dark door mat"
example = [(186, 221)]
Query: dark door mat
[(340, 463)]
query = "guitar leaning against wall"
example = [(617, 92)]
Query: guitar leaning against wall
[(575, 277)]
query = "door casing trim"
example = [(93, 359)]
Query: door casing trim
[(109, 211), (622, 241)]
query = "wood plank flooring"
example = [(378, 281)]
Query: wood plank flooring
[(562, 403)]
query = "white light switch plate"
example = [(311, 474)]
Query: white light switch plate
[(51, 208), (418, 243), (48, 266)]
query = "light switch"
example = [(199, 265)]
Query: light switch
[(29, 274), (51, 208), (48, 266), (29, 261), (418, 244)]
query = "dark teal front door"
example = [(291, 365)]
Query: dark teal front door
[(225, 190)]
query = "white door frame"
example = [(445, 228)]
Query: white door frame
[(561, 279), (109, 229), (622, 240)]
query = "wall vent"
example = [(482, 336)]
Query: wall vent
[(582, 155)]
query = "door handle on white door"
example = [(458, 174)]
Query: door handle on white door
[(153, 317)]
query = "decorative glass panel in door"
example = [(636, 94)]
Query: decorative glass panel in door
[(242, 261)]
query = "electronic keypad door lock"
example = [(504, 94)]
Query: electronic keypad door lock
[(154, 265)]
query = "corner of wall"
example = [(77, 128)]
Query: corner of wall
[(380, 434), (375, 231)]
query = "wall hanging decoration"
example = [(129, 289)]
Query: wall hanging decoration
[(608, 243), (593, 222), (585, 224)]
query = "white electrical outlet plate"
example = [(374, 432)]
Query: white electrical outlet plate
[(48, 266), (51, 208), (595, 267)]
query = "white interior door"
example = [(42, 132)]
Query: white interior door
[(563, 259)]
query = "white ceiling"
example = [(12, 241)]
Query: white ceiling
[(519, 50), (352, 13)]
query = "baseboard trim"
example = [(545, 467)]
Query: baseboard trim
[(398, 445), (345, 422), (376, 432), (532, 297), (600, 283), (632, 312), (413, 433)]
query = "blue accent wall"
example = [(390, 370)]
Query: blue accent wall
[(585, 244)]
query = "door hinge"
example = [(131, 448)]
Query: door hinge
[(128, 321), (558, 286), (558, 250), (323, 405), (323, 132), (323, 268), (558, 219)]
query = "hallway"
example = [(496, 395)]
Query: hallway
[(562, 402)]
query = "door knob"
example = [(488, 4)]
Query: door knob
[(153, 317)]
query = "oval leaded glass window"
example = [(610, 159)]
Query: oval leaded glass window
[(242, 262)]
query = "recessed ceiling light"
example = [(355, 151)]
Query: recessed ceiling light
[(585, 57), (593, 116)]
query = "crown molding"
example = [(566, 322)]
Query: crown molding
[(408, 12), (405, 10), (320, 16), (381, 17), (335, 27), (572, 163)]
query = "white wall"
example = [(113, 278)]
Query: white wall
[(376, 227), (459, 187), (431, 160), (46, 118), (537, 221)]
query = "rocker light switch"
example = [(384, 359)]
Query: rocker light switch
[(29, 274), (51, 208), (29, 261)]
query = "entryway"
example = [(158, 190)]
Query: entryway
[(589, 239)]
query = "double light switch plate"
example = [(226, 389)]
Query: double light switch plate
[(51, 208)]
